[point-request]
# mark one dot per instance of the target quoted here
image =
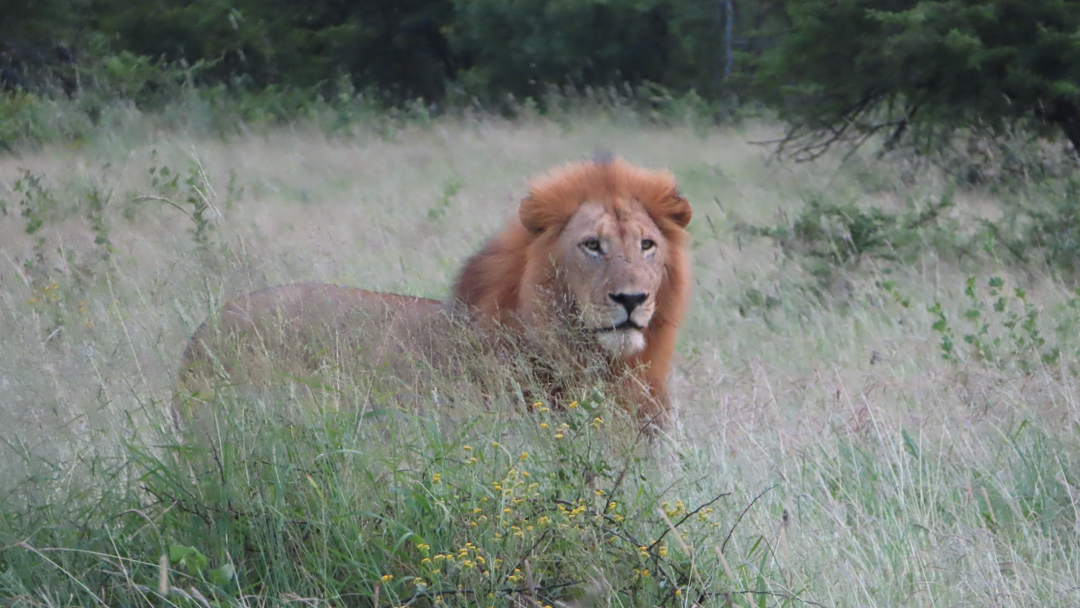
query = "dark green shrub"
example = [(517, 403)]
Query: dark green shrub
[(1043, 227), (827, 236)]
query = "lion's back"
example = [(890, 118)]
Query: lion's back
[(297, 328)]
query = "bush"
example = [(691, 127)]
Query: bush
[(26, 118), (828, 236), (1043, 227), (383, 507)]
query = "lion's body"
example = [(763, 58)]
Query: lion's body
[(299, 329), (598, 248)]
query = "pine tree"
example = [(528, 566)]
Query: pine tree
[(850, 69)]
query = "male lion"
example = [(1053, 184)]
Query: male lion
[(594, 266)]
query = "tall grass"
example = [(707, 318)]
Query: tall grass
[(825, 452)]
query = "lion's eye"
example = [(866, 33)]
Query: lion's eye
[(647, 244), (591, 244)]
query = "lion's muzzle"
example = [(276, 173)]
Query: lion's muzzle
[(629, 315)]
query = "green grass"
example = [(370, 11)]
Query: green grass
[(837, 458)]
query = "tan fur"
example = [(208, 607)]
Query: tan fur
[(539, 273), (301, 328)]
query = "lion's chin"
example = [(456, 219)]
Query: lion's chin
[(624, 343)]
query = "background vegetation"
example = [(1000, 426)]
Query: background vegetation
[(428, 49), (877, 384), (920, 74)]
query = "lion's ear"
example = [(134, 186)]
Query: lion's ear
[(534, 216), (678, 210)]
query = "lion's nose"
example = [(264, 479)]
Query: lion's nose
[(629, 301)]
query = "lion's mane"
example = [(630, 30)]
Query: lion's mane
[(502, 282)]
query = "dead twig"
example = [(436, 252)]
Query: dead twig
[(739, 518)]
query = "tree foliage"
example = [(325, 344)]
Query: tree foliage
[(909, 68), (838, 70), (523, 46), (405, 49), (394, 45)]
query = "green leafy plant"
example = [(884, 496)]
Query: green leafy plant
[(450, 189), (195, 563), (192, 194), (36, 205), (37, 201), (893, 290), (1001, 328), (97, 203)]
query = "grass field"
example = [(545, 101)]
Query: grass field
[(837, 457)]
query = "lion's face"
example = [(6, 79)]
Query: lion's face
[(611, 260)]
